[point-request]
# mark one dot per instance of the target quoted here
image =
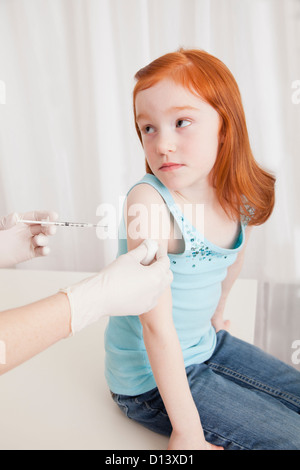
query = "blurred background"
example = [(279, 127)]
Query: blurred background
[(67, 136)]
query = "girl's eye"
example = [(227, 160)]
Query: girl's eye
[(183, 123), (148, 130)]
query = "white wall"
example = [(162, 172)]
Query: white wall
[(67, 139)]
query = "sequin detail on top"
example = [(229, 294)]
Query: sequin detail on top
[(197, 248)]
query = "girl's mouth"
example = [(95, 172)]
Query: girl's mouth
[(171, 166)]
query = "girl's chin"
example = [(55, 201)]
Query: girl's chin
[(172, 181)]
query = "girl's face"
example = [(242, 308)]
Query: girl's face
[(180, 134)]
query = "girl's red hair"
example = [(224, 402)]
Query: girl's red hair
[(244, 189)]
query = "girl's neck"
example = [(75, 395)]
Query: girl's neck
[(202, 195)]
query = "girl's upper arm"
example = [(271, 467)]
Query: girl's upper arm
[(147, 216), (248, 230)]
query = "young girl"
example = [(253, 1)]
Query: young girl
[(175, 369)]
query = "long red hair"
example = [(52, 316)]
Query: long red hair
[(244, 188)]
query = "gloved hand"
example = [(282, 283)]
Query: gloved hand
[(125, 287), (21, 242)]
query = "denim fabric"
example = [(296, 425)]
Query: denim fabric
[(247, 399)]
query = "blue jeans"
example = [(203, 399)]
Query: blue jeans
[(247, 399)]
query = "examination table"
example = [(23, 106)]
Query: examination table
[(59, 400)]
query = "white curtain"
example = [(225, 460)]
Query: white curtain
[(67, 138)]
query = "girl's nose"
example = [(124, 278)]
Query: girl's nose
[(165, 145)]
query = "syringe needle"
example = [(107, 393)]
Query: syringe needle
[(60, 224)]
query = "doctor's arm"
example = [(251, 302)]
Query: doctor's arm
[(28, 330)]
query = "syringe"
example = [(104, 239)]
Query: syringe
[(60, 224)]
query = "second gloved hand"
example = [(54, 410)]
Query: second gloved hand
[(20, 242), (125, 287)]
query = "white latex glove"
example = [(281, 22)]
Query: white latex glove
[(125, 287), (21, 242)]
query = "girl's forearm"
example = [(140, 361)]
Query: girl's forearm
[(168, 368), (233, 273), (29, 330)]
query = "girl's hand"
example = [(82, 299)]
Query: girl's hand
[(190, 442), (220, 324)]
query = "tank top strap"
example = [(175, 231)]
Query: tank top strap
[(163, 191), (184, 225)]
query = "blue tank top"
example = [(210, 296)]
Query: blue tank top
[(196, 290)]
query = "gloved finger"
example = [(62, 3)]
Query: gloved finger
[(40, 215), (140, 252), (162, 271), (145, 252), (41, 251), (162, 266), (170, 277), (51, 216), (152, 247), (40, 240), (9, 221), (36, 229), (49, 230), (162, 258)]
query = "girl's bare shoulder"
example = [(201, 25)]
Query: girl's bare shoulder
[(145, 194), (146, 215)]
